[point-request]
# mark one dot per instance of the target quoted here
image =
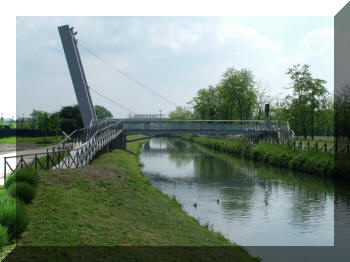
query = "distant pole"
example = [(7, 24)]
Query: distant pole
[(267, 114), (69, 43)]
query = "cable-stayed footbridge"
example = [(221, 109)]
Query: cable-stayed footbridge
[(79, 147)]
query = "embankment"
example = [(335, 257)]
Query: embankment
[(318, 163), (111, 203)]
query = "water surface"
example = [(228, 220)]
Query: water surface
[(249, 203)]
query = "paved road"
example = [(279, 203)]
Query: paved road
[(7, 150)]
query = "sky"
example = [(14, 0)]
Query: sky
[(174, 56)]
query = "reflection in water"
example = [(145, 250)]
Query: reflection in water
[(258, 205)]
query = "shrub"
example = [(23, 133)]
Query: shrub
[(13, 216), (28, 175), (10, 180), (23, 191), (3, 193), (3, 236)]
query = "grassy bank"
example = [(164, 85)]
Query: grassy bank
[(44, 141), (112, 203), (318, 163), (18, 190)]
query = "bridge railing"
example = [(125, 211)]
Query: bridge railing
[(233, 125), (65, 154), (80, 136)]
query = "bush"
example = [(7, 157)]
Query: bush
[(28, 175), (23, 191), (3, 193), (13, 216), (10, 180), (3, 236)]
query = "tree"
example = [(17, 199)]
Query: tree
[(325, 120), (206, 103), (237, 95), (233, 98), (102, 112), (308, 93), (45, 121), (70, 118), (55, 122), (37, 118), (181, 113)]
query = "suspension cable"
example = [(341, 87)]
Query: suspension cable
[(128, 76), (112, 101)]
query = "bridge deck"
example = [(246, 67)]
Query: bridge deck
[(202, 127)]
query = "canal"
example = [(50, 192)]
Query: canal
[(250, 203)]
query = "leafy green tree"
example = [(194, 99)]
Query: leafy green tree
[(54, 122), (237, 94), (206, 104), (37, 119), (181, 113), (102, 112), (70, 118), (308, 93)]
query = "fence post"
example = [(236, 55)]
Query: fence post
[(35, 161), (316, 146), (47, 160), (325, 147), (5, 169)]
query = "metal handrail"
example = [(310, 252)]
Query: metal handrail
[(78, 134), (59, 156)]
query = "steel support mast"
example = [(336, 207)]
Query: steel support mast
[(69, 43)]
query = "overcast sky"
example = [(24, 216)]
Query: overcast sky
[(174, 56)]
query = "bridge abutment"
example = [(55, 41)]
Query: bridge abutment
[(118, 143)]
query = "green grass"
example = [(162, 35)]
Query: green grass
[(321, 140), (23, 191), (28, 175), (3, 236), (13, 215), (43, 141), (4, 251), (317, 138), (111, 203), (312, 162)]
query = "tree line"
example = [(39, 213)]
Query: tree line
[(309, 108), (67, 119)]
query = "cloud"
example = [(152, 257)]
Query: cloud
[(175, 35), (317, 44), (251, 37), (175, 56)]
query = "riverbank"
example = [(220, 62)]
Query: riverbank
[(318, 163), (111, 203)]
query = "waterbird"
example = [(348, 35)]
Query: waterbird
[(217, 201), (195, 204)]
